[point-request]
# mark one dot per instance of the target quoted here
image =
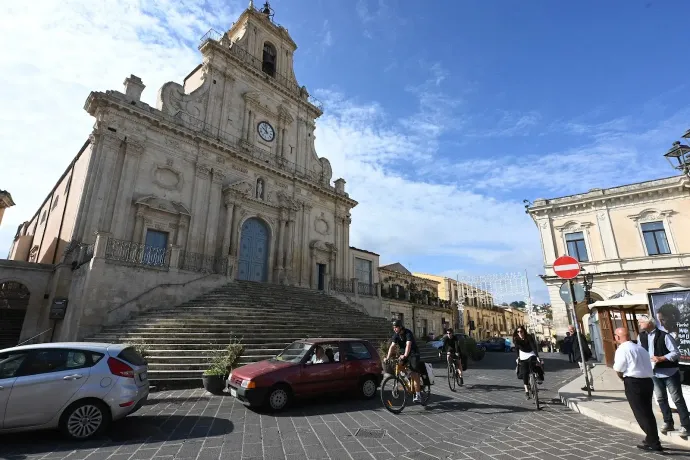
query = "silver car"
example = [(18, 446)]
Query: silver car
[(78, 387)]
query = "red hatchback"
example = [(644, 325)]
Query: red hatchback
[(308, 368)]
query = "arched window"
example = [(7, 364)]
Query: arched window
[(269, 60)]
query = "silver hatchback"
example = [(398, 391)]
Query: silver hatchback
[(78, 387)]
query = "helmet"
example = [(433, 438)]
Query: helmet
[(397, 323)]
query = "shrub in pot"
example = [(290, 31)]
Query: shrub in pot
[(221, 363)]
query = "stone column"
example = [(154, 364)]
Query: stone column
[(548, 245), (348, 260), (105, 156), (245, 122), (199, 208), (336, 244), (123, 201), (280, 133), (100, 245), (229, 217), (213, 212), (290, 243), (138, 227), (225, 104), (283, 132), (281, 241), (252, 127), (304, 263)]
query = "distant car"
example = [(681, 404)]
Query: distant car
[(438, 344), (78, 387), (351, 364), (494, 344)]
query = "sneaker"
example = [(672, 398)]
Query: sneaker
[(683, 432), (462, 382), (416, 399), (527, 396), (540, 381), (649, 448), (666, 428)]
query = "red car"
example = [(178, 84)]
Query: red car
[(308, 368)]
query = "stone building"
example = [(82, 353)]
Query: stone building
[(631, 238), (220, 177), (5, 202)]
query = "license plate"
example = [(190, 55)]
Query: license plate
[(233, 392), (143, 376)]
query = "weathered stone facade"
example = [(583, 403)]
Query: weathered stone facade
[(5, 202)]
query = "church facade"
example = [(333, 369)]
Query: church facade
[(222, 176)]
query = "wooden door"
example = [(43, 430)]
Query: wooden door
[(607, 336)]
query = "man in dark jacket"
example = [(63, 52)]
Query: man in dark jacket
[(577, 356)]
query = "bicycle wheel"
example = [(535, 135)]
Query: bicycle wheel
[(393, 394), (534, 388), (452, 376)]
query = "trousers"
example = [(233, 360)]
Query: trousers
[(672, 384), (639, 393)]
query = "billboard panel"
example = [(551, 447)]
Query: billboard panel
[(671, 309)]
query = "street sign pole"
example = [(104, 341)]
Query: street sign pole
[(579, 338)]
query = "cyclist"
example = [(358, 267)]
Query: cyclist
[(403, 338), (527, 353), (451, 347)]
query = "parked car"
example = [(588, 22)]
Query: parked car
[(494, 344), (438, 344), (78, 387), (351, 364)]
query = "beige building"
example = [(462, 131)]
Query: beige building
[(5, 202), (220, 180), (632, 238), (481, 318)]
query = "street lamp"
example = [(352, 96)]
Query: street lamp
[(679, 155), (587, 284)]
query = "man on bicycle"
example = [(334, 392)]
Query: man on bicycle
[(451, 347), (409, 353)]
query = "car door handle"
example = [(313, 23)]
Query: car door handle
[(72, 377)]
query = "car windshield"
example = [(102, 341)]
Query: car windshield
[(294, 352)]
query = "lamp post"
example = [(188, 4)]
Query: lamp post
[(679, 155)]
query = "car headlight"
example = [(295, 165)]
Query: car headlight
[(248, 384)]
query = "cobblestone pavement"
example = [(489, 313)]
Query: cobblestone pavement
[(487, 419)]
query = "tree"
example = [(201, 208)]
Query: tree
[(519, 304)]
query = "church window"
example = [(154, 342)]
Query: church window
[(269, 60)]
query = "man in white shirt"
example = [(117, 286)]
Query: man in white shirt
[(634, 366), (665, 354)]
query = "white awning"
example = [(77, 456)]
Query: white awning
[(625, 301)]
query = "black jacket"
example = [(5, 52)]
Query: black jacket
[(585, 346), (529, 344)]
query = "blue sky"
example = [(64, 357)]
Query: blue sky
[(441, 116)]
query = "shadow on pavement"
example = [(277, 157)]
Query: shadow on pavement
[(132, 430)]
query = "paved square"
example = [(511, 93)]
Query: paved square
[(488, 418)]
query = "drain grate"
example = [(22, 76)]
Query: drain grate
[(370, 433)]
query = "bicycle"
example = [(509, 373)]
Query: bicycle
[(401, 384), (533, 386), (453, 378)]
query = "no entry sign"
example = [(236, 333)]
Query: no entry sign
[(566, 267)]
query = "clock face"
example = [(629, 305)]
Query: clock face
[(266, 131)]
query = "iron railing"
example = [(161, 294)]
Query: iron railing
[(250, 150), (196, 262), (32, 340), (341, 285), (367, 289), (137, 253), (247, 58)]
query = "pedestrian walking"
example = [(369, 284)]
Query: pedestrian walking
[(577, 356), (664, 353), (634, 366), (568, 346)]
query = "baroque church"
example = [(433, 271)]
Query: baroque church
[(222, 174)]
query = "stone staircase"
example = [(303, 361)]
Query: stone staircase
[(265, 317)]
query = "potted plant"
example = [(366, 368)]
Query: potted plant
[(221, 363)]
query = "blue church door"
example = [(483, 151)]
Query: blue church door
[(253, 258)]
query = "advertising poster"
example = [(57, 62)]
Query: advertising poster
[(672, 312)]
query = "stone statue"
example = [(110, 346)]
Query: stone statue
[(260, 189)]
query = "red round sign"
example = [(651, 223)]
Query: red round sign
[(566, 267)]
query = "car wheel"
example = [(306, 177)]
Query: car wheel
[(367, 387), (278, 398), (85, 420)]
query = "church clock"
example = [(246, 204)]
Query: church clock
[(266, 131)]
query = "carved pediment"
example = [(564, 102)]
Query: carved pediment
[(650, 215), (284, 115), (288, 202), (163, 205), (241, 188), (573, 226)]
